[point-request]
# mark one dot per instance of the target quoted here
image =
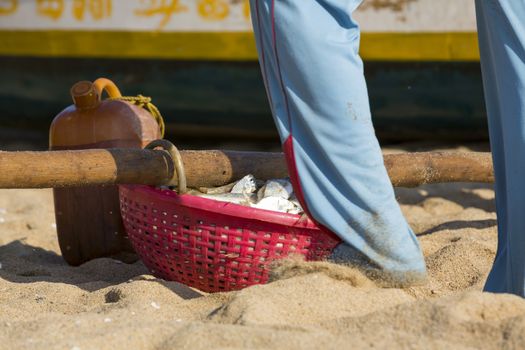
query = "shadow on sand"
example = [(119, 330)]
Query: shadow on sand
[(23, 263)]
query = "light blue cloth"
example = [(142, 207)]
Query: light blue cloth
[(308, 50), (501, 29), (309, 58)]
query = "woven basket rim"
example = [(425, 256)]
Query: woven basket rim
[(225, 208)]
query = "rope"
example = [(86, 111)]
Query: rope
[(145, 102)]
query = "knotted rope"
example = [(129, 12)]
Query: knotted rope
[(145, 102)]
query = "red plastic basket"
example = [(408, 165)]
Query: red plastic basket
[(210, 245)]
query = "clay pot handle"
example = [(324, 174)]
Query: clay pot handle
[(103, 84)]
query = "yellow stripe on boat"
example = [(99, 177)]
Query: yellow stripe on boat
[(420, 46), (236, 46)]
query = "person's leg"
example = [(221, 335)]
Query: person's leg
[(501, 30), (308, 50)]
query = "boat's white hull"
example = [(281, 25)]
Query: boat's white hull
[(393, 30)]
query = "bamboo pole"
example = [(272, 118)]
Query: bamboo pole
[(55, 169), (415, 169)]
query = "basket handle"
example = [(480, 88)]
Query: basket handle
[(176, 158)]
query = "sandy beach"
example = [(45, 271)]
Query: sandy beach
[(105, 304)]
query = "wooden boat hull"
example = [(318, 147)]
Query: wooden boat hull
[(197, 59), (227, 99)]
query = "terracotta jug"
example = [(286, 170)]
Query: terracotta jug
[(88, 218)]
